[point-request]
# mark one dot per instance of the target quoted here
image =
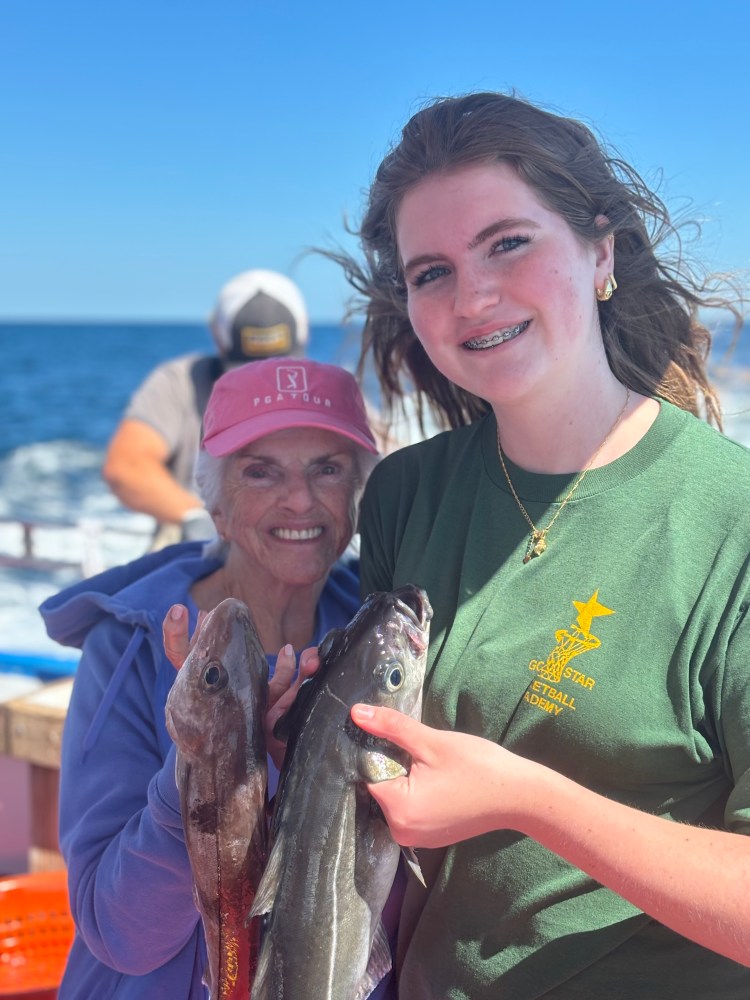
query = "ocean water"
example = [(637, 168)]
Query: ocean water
[(63, 388)]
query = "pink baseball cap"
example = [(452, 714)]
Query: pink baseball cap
[(261, 397)]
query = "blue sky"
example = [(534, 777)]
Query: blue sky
[(153, 148)]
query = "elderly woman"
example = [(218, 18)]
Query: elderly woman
[(286, 453)]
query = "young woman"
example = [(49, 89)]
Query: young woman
[(581, 782)]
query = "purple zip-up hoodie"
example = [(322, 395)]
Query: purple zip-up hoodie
[(138, 933)]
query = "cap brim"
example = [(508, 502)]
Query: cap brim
[(233, 438)]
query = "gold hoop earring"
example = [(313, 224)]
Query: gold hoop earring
[(605, 293)]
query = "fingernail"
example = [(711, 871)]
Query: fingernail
[(175, 612), (363, 711), (289, 649)]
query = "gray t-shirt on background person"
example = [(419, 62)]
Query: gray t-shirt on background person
[(171, 399)]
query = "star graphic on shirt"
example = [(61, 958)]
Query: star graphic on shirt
[(588, 611)]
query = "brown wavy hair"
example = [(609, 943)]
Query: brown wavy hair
[(655, 341)]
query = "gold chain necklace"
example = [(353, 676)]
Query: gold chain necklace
[(538, 539)]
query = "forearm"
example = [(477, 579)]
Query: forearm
[(150, 488), (136, 470), (694, 880)]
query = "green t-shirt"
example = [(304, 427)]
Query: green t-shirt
[(619, 657)]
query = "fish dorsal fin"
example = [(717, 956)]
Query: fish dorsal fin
[(412, 861), (379, 964), (265, 897), (328, 641), (289, 724), (295, 715)]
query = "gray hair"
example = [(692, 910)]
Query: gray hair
[(209, 478)]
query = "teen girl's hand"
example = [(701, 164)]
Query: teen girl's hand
[(459, 786)]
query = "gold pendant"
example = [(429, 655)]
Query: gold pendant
[(541, 543), (537, 545)]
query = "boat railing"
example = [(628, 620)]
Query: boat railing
[(24, 549)]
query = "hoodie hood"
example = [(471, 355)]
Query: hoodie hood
[(138, 593), (141, 592)]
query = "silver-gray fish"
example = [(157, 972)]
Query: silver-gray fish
[(215, 717), (333, 860)]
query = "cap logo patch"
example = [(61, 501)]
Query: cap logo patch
[(291, 378), (260, 341)]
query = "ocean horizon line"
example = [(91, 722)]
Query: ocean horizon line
[(137, 321)]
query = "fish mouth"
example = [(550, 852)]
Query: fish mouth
[(496, 337), (297, 534), (414, 607)]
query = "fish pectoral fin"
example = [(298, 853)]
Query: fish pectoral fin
[(262, 982), (377, 766), (413, 862), (265, 897), (379, 964)]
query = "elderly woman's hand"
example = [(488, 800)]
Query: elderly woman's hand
[(282, 690), (177, 641)]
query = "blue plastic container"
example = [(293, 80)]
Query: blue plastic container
[(46, 668)]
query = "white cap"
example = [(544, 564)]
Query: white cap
[(259, 314)]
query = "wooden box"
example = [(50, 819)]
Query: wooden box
[(33, 724), (31, 730)]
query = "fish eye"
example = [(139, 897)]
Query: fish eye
[(214, 676), (394, 676)]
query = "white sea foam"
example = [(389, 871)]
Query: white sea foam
[(57, 487)]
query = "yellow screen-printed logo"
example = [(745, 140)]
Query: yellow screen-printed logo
[(544, 693), (262, 341)]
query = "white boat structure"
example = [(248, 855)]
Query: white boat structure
[(38, 557), (86, 546)]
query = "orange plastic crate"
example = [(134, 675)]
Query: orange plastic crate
[(36, 931)]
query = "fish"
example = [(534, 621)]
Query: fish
[(214, 714), (332, 860)]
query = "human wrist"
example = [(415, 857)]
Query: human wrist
[(518, 792), (547, 806)]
